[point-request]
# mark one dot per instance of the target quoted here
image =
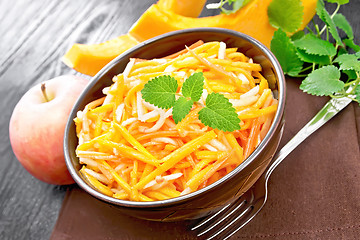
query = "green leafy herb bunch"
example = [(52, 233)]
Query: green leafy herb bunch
[(328, 63), (217, 112)]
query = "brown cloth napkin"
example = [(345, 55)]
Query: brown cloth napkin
[(314, 193)]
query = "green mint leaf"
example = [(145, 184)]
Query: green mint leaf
[(357, 93), (181, 108), (323, 81), (341, 2), (219, 113), (342, 23), (297, 35), (341, 51), (160, 91), (351, 74), (285, 51), (313, 45), (193, 86), (286, 14), (348, 62), (320, 7), (311, 58), (350, 43), (326, 18)]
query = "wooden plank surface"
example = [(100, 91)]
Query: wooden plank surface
[(34, 34)]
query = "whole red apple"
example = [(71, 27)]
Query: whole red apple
[(37, 127)]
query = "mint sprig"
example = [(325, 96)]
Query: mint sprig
[(319, 55), (191, 91), (217, 113)]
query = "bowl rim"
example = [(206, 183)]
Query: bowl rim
[(161, 203)]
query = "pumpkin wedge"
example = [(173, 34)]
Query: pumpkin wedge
[(171, 15), (251, 20), (90, 58)]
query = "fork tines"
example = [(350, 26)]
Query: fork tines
[(224, 223)]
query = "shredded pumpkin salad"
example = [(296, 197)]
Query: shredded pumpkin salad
[(133, 150)]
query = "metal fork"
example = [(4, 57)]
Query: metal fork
[(231, 218)]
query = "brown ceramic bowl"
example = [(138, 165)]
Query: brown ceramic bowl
[(225, 190)]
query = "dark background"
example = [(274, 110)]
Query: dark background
[(34, 34)]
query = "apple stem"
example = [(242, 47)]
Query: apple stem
[(43, 90)]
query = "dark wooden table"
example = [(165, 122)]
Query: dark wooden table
[(34, 34)]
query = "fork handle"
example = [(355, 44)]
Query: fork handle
[(331, 108)]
